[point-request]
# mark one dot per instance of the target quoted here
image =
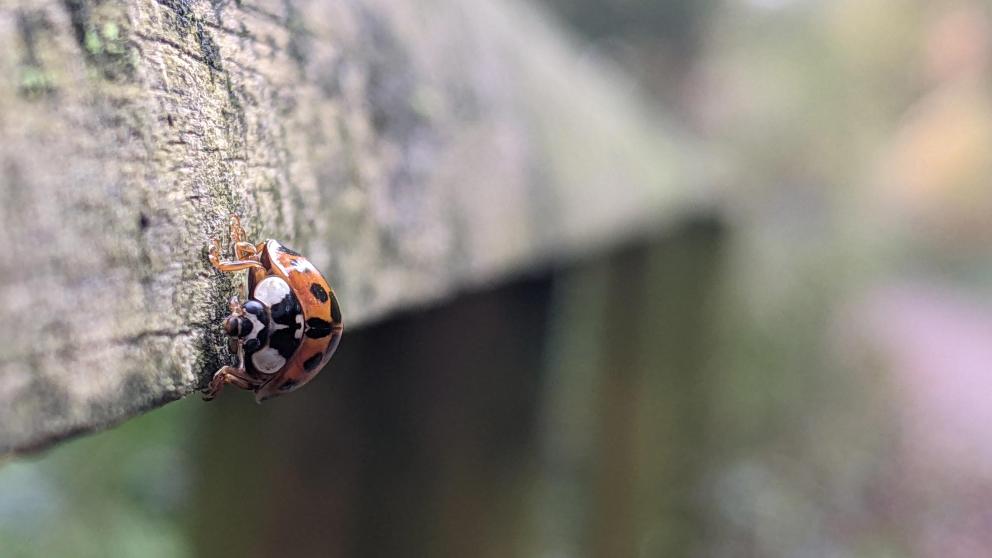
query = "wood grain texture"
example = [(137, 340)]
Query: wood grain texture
[(410, 149)]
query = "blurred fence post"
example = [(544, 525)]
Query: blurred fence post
[(624, 437)]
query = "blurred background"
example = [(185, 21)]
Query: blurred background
[(804, 372)]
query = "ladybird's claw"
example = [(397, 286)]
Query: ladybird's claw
[(245, 256), (228, 375), (214, 252), (245, 251), (216, 384), (237, 231), (214, 387)]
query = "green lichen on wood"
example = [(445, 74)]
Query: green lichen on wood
[(102, 32)]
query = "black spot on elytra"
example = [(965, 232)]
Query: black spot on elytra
[(252, 345), (289, 251), (312, 362), (317, 328), (318, 292), (335, 309)]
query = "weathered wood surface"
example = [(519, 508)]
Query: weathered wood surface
[(411, 149)]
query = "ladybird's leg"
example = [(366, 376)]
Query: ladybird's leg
[(245, 251), (237, 231), (229, 375), (242, 250), (231, 266), (228, 265)]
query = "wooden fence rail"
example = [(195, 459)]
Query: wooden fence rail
[(410, 149)]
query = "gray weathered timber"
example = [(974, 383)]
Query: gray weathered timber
[(410, 148)]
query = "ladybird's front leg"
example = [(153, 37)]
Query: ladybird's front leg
[(229, 375), (245, 251), (228, 266)]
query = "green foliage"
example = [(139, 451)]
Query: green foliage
[(121, 493)]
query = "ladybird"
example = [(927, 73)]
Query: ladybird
[(289, 326)]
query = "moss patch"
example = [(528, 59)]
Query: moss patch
[(102, 33)]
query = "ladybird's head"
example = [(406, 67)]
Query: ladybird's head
[(247, 325), (237, 325)]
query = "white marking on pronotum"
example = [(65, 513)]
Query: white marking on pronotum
[(271, 290), (299, 322), (256, 326), (268, 361)]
